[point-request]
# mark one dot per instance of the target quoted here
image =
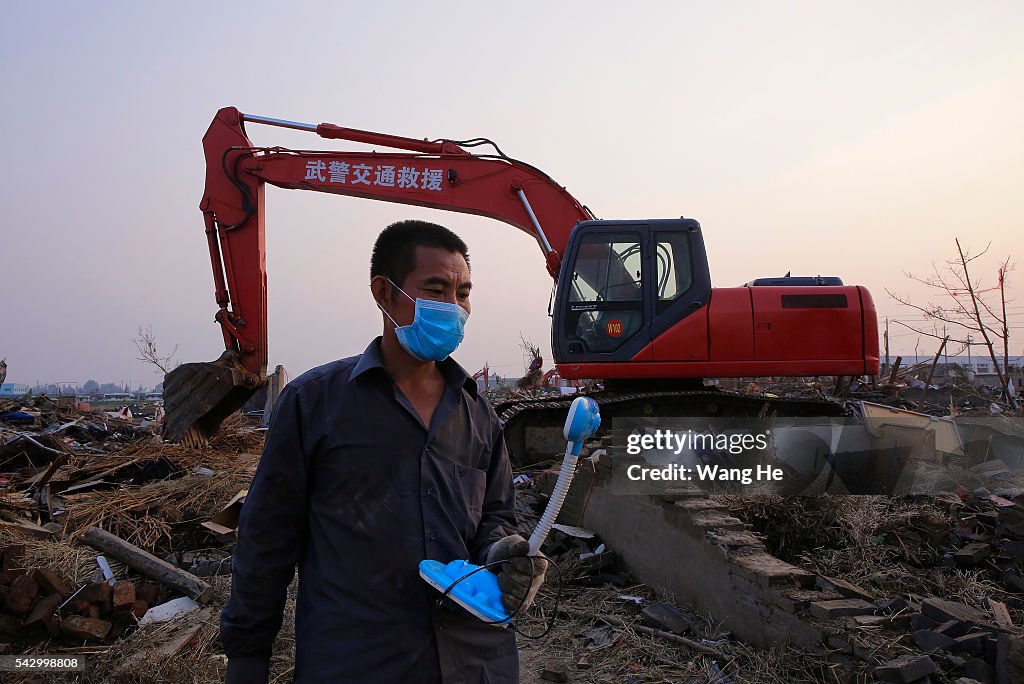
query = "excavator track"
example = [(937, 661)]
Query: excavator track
[(549, 412)]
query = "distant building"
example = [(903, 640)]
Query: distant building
[(13, 389), (117, 396), (978, 370)]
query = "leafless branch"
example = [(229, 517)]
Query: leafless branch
[(148, 352), (965, 304), (932, 335)]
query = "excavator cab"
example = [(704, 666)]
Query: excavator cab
[(624, 282)]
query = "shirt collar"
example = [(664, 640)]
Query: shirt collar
[(454, 374)]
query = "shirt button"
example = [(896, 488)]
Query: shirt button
[(433, 536), (428, 491)]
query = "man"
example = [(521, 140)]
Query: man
[(372, 464)]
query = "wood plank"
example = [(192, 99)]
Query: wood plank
[(148, 564)]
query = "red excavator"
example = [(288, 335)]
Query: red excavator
[(633, 304)]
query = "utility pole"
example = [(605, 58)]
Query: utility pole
[(945, 356), (928, 382), (1006, 330), (967, 373), (887, 344)]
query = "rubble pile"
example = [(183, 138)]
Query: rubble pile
[(101, 527), (903, 393), (40, 604), (923, 588), (611, 628), (115, 544)]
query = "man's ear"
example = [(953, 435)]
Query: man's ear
[(380, 288)]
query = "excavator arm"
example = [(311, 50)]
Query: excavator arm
[(440, 174)]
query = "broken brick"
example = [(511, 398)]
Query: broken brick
[(847, 589), (1001, 615), (50, 583), (97, 592), (892, 605), (85, 628), (769, 571), (942, 610), (978, 669), (1013, 581), (554, 672), (77, 606), (972, 555), (123, 595), (22, 593), (905, 669), (1010, 659), (952, 628), (792, 600), (840, 608), (869, 620), (666, 617), (973, 643), (928, 640), (43, 610), (954, 661), (847, 644), (139, 609), (1013, 549)]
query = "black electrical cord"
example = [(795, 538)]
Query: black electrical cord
[(248, 206), (512, 614), (476, 142)]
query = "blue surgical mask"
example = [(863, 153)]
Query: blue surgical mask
[(436, 329)]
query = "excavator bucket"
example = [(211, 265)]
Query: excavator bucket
[(199, 396)]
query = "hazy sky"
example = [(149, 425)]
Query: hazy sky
[(850, 139)]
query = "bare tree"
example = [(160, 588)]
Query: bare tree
[(148, 352), (534, 364), (966, 306)]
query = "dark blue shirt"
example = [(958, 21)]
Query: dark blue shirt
[(356, 490)]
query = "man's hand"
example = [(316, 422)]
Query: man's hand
[(521, 576)]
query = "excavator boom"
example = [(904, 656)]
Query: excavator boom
[(440, 174)]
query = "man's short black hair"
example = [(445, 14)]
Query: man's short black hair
[(394, 253)]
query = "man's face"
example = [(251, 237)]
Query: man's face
[(439, 275)]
